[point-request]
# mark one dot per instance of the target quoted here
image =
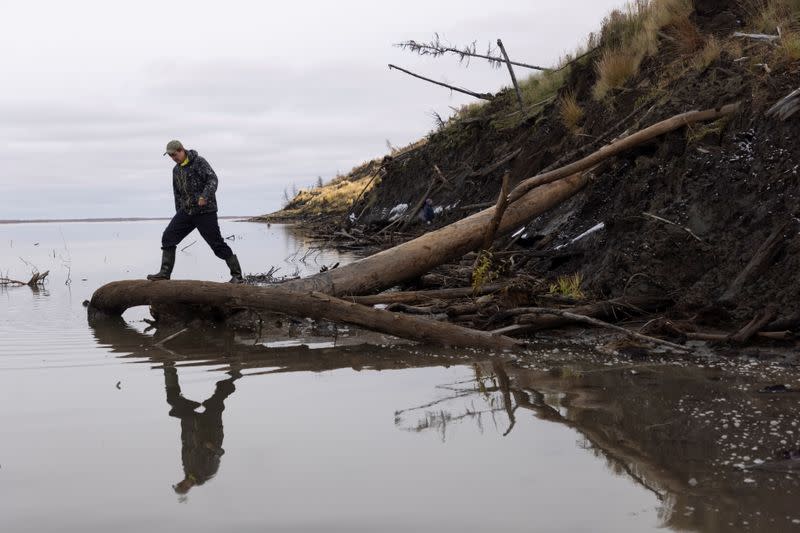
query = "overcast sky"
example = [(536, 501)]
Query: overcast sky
[(272, 94)]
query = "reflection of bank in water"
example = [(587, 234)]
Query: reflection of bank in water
[(658, 425)]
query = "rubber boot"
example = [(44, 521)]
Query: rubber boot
[(236, 270), (167, 263)]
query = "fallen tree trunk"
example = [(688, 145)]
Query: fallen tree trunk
[(416, 257), (114, 298), (530, 198), (619, 146)]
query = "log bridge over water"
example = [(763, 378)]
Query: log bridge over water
[(325, 295)]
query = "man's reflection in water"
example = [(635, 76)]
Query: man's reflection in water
[(201, 432)]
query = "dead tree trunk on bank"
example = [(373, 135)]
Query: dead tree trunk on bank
[(114, 298), (414, 258)]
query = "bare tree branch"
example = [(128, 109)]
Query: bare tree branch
[(482, 96), (437, 48)]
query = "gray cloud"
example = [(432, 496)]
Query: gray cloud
[(271, 98)]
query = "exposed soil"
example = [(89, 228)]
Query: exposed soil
[(732, 183)]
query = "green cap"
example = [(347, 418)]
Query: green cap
[(173, 146)]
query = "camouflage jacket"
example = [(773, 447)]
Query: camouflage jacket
[(195, 180)]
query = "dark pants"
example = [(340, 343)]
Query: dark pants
[(182, 225)]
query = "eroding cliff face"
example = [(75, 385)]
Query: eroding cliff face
[(730, 184)]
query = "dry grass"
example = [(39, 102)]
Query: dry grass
[(766, 16), (790, 45), (630, 35), (685, 36), (337, 196), (776, 17), (614, 69), (571, 113), (709, 54)]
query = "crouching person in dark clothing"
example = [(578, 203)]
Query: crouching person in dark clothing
[(194, 184)]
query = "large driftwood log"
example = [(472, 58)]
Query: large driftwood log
[(114, 298), (621, 145), (416, 257)]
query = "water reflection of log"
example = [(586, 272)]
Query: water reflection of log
[(221, 348), (505, 393), (202, 429)]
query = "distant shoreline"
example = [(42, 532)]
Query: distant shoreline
[(127, 219)]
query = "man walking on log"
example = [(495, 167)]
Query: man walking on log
[(194, 185)]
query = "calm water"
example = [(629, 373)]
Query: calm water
[(104, 430)]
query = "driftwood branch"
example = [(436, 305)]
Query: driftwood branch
[(488, 169), (762, 318), (511, 73), (37, 278), (786, 106), (599, 323), (760, 261), (757, 36), (721, 337), (615, 309), (499, 209), (621, 145), (482, 96), (421, 296), (664, 220)]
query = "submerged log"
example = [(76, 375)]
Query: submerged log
[(114, 298)]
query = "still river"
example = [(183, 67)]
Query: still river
[(103, 430)]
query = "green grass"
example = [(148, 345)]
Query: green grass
[(569, 286)]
